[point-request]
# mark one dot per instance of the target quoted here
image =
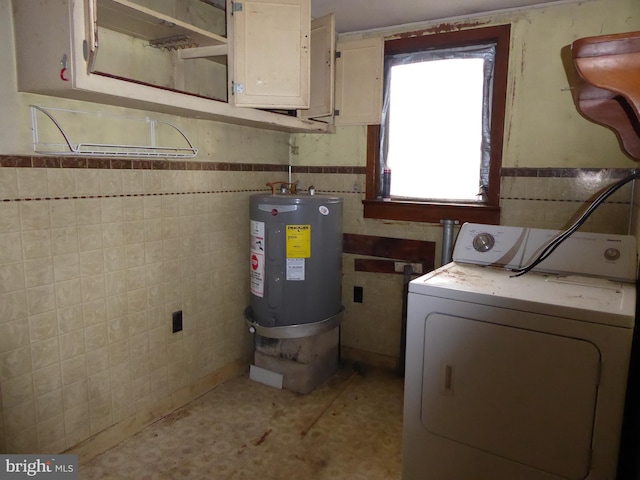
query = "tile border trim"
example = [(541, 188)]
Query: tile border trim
[(46, 161), (28, 161), (564, 200), (31, 161), (550, 172)]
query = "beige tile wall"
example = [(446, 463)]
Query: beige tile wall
[(554, 202), (89, 276), (88, 284), (371, 330)]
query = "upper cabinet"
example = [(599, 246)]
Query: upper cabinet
[(260, 63), (606, 88), (170, 56)]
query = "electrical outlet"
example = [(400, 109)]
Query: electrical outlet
[(358, 293), (177, 321)]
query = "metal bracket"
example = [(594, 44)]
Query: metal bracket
[(293, 331), (236, 7), (236, 88)]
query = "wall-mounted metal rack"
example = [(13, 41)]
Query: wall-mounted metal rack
[(103, 126)]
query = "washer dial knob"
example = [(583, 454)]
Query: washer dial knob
[(483, 242), (612, 254)]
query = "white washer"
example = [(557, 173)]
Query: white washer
[(519, 378)]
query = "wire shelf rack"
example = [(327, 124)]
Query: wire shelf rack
[(105, 149)]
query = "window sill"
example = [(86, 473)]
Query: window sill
[(431, 212)]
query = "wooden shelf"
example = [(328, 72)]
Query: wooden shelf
[(215, 53), (141, 22), (607, 89)]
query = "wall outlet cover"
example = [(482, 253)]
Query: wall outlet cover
[(358, 294), (177, 321)]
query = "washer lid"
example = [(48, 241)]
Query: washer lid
[(581, 298)]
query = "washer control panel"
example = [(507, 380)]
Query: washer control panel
[(594, 254)]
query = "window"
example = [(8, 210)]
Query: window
[(442, 127)]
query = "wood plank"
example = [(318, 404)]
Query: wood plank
[(417, 251), (431, 213), (211, 51), (606, 89), (602, 45)]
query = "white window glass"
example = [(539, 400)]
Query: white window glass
[(435, 129)]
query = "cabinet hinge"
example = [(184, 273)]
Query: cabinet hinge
[(236, 88), (338, 54), (336, 113), (236, 7)]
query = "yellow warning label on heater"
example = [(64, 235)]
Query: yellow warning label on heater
[(298, 241)]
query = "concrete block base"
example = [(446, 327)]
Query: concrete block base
[(305, 363)]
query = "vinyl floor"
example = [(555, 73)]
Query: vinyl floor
[(348, 429)]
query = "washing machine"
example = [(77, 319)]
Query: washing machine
[(519, 377)]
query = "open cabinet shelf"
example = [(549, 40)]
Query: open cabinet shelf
[(607, 90), (159, 30)]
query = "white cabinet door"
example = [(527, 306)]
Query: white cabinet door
[(359, 78), (323, 54), (270, 53), (44, 38)]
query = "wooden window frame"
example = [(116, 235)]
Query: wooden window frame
[(416, 211)]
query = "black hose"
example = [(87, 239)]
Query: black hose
[(555, 243)]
